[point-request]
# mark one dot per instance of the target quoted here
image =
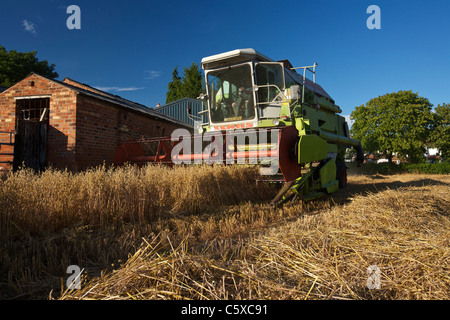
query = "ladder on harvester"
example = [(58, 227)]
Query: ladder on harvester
[(6, 153)]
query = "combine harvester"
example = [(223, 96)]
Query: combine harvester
[(263, 112)]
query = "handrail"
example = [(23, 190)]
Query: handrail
[(304, 77), (197, 119), (271, 85)]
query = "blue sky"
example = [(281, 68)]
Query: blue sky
[(130, 48)]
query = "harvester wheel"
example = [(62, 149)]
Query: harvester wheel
[(341, 174)]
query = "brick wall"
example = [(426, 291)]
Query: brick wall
[(101, 126), (62, 116), (7, 124)]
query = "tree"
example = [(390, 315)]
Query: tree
[(174, 87), (397, 122), (440, 137), (363, 129), (192, 82), (15, 66), (187, 86)]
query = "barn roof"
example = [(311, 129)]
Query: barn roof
[(89, 91)]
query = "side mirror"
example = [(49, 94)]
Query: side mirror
[(189, 109), (203, 96)]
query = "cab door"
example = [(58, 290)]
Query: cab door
[(270, 85)]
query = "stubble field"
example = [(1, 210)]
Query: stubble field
[(209, 233)]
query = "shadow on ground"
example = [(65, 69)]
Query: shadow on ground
[(379, 183)]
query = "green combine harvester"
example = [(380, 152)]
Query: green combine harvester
[(268, 113)]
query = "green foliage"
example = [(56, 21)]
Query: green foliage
[(440, 137), (174, 87), (394, 123), (382, 168), (391, 168), (15, 66), (187, 86), (430, 168), (191, 86)]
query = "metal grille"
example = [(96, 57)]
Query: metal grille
[(34, 110)]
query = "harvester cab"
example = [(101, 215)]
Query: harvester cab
[(264, 112), (245, 88)]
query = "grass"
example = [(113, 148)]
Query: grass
[(208, 233)]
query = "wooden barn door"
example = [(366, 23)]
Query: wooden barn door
[(31, 139)]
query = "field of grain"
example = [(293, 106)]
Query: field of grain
[(209, 233)]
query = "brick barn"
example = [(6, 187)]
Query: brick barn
[(67, 124)]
